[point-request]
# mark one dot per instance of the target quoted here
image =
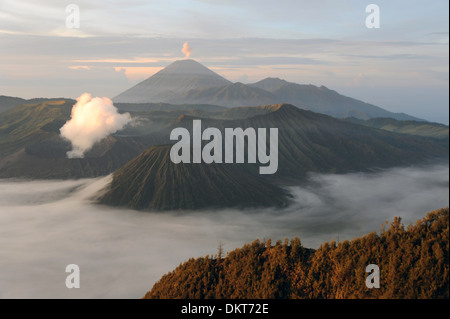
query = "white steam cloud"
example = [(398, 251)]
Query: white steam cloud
[(186, 50), (92, 120)]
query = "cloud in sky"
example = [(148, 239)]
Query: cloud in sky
[(322, 43), (92, 120), (228, 19)]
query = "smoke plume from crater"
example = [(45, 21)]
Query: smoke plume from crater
[(92, 120), (186, 50)]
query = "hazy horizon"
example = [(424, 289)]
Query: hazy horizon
[(401, 66)]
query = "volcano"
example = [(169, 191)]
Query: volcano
[(177, 78), (189, 82)]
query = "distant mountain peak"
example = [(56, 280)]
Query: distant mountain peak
[(274, 79), (189, 82), (187, 66), (177, 78), (270, 83)]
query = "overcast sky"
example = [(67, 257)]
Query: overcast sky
[(401, 66)]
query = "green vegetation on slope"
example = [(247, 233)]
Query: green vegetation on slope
[(8, 102), (413, 262), (30, 144), (29, 123), (435, 130), (312, 142)]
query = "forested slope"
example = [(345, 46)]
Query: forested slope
[(413, 262)]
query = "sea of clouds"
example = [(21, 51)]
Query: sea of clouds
[(46, 225)]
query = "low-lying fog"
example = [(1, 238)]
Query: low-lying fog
[(46, 225)]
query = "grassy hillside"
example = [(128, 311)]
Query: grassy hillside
[(417, 128), (312, 142), (30, 145), (413, 262), (8, 102), (308, 142), (28, 123), (47, 159)]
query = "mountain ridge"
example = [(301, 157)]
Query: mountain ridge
[(236, 94), (324, 100), (189, 82), (29, 137), (177, 78), (307, 142), (429, 129)]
